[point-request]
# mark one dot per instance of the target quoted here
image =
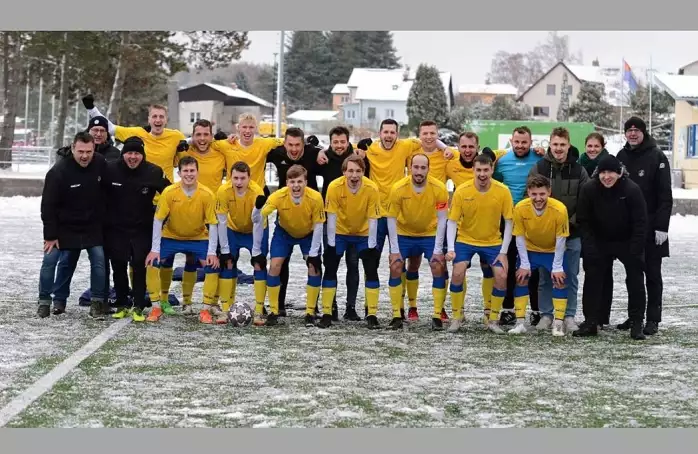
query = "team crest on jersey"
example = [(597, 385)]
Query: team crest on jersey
[(641, 172), (661, 165)]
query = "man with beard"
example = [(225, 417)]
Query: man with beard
[(131, 184), (612, 216), (648, 166)]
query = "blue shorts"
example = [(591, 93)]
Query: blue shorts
[(542, 260), (381, 233), (237, 241), (169, 248), (282, 243), (487, 254), (413, 246), (342, 241)]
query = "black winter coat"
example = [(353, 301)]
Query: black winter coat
[(107, 149), (648, 166), (279, 157), (72, 203), (333, 169)]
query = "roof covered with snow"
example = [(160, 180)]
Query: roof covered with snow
[(679, 87), (237, 93), (387, 84), (313, 115), (340, 89), (488, 89)]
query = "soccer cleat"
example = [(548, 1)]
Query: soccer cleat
[(545, 323), (495, 328), (122, 312), (155, 314), (335, 312), (444, 315), (188, 309), (351, 315), (586, 330), (558, 328), (137, 315), (412, 314), (570, 325), (272, 320), (624, 326), (282, 312), (58, 308), (520, 327), (534, 318), (205, 317), (395, 324), (455, 325), (219, 317), (372, 322), (636, 331), (651, 328), (325, 322), (44, 311), (437, 324), (309, 321), (258, 320), (167, 308), (96, 310), (507, 318)]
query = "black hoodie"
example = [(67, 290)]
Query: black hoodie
[(333, 169), (279, 157)]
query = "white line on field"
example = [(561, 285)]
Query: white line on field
[(45, 383)]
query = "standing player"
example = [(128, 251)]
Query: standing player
[(300, 220), (186, 209), (353, 208), (417, 226), (541, 227), (476, 210), (234, 204)]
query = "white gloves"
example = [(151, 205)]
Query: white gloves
[(660, 237)]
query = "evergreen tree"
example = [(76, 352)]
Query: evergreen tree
[(427, 98), (591, 106), (308, 83), (504, 108), (241, 81), (360, 49), (563, 110), (458, 117)]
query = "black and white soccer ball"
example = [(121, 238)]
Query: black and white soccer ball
[(240, 315)]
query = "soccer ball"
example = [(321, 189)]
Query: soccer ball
[(240, 314)]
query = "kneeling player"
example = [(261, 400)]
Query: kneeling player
[(417, 226), (353, 209), (541, 228), (186, 208), (234, 204), (476, 209), (299, 221)]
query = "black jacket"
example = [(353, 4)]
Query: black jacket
[(609, 217), (282, 162), (649, 167), (333, 169), (566, 179), (72, 203), (107, 149)]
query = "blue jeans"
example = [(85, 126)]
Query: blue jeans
[(47, 279), (573, 252), (66, 267)]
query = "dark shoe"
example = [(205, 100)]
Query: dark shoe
[(351, 315), (58, 307), (309, 321), (651, 328), (325, 322), (97, 310), (636, 331), (586, 330), (44, 310), (335, 312), (272, 320), (282, 312), (372, 322), (264, 310), (507, 318), (395, 324), (437, 324), (534, 318), (624, 326)]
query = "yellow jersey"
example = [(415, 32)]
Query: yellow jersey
[(160, 150), (238, 208), (416, 212), (541, 232), (297, 220), (353, 210), (213, 165), (459, 174), (478, 214), (186, 218), (388, 166), (437, 163), (254, 156)]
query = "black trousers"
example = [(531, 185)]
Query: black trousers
[(121, 250), (512, 256), (655, 284), (596, 271), (606, 298)]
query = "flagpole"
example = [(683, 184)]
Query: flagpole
[(651, 83), (622, 69)]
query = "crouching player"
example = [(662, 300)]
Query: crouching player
[(417, 226), (541, 228), (235, 202), (185, 208), (476, 210), (353, 209), (299, 221)]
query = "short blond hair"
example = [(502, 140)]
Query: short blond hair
[(156, 107), (246, 116)]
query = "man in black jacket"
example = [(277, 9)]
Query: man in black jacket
[(130, 184), (612, 216), (648, 166), (72, 210), (104, 145)]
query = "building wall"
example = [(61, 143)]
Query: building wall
[(691, 70), (397, 110), (538, 96), (685, 115), (338, 100), (222, 116), (190, 112)]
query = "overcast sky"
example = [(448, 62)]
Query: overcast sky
[(467, 55)]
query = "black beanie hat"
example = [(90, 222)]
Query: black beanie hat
[(98, 121), (133, 144), (636, 122), (610, 163)]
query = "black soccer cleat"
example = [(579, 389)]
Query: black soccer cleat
[(586, 330), (351, 315), (507, 318), (325, 322), (335, 312), (534, 318), (395, 324), (272, 320), (309, 321), (372, 322), (437, 324), (636, 331), (43, 311), (651, 328), (624, 326)]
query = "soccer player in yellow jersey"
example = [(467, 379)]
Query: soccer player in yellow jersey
[(249, 149), (541, 228), (234, 204), (299, 221), (353, 207), (476, 210), (417, 226), (186, 209), (212, 163), (429, 140)]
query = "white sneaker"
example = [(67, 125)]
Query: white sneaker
[(520, 327), (495, 328), (188, 309), (558, 328), (455, 325), (570, 325), (219, 317), (544, 323)]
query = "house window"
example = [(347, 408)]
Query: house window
[(194, 116), (541, 111), (345, 98), (550, 89), (191, 117), (569, 90), (371, 113), (389, 113)]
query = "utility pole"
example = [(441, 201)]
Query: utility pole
[(280, 84)]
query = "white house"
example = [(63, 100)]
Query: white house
[(313, 121), (379, 94)]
